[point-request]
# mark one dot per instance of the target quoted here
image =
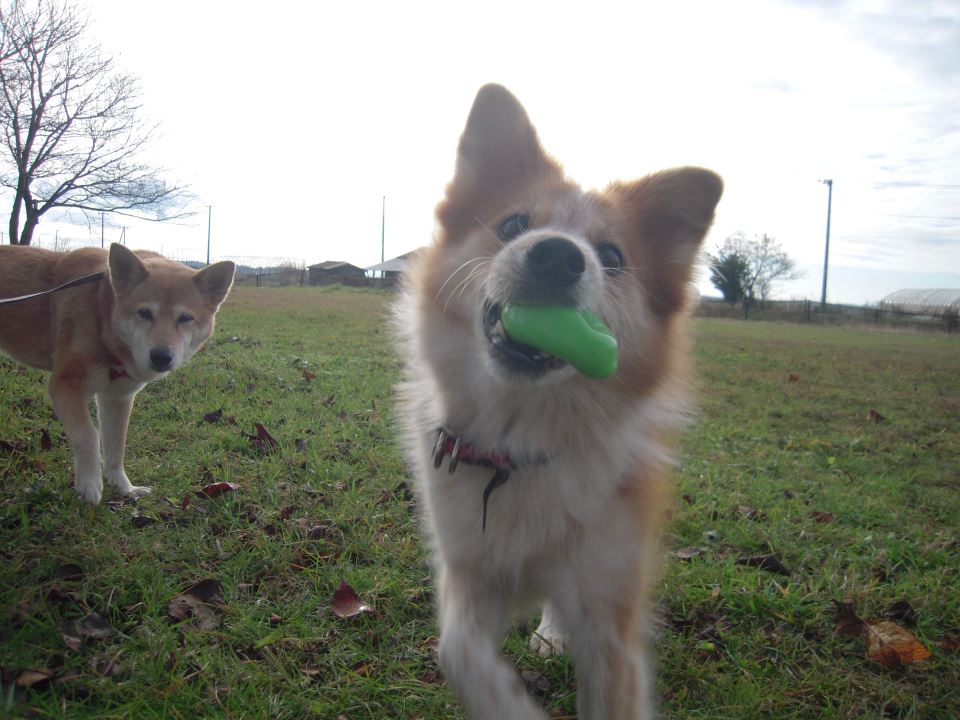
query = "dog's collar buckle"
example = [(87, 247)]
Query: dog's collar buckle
[(453, 445)]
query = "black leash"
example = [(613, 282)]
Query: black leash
[(82, 280)]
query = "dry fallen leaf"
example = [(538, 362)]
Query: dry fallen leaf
[(45, 442), (90, 627), (793, 378), (15, 446), (218, 488), (887, 643), (892, 645), (346, 603), (198, 601), (822, 516), (29, 678), (141, 521), (68, 572), (308, 376), (751, 513), (263, 440), (903, 611), (848, 623), (874, 416), (688, 553), (771, 563)]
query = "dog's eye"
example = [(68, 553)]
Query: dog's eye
[(610, 256), (513, 226), (145, 313), (184, 319)]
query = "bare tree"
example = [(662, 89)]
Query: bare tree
[(70, 124), (756, 263)]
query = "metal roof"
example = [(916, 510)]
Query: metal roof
[(397, 264)]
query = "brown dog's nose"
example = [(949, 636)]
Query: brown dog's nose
[(160, 358), (556, 262)]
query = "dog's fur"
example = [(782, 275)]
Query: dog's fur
[(105, 340), (575, 526)]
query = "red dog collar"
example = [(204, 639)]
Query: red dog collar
[(453, 445)]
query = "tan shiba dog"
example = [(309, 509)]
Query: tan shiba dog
[(105, 340), (538, 483)]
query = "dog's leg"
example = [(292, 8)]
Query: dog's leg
[(547, 639), (471, 627), (613, 677), (113, 414), (70, 402)]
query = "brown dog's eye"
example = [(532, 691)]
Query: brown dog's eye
[(610, 256), (513, 226), (145, 313), (184, 319)]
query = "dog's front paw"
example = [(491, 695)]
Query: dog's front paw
[(547, 640), (125, 487), (90, 491)]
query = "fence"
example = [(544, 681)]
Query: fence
[(288, 277), (807, 311)]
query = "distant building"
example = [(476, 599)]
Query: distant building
[(332, 271), (395, 267)]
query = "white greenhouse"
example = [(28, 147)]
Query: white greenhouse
[(923, 302)]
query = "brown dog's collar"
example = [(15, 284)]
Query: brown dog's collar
[(117, 369)]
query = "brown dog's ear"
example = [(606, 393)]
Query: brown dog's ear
[(126, 270), (668, 215), (215, 281), (499, 151)]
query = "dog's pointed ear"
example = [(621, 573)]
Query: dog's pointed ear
[(499, 144), (126, 269), (215, 281), (668, 216), (499, 152)]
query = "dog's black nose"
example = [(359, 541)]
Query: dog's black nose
[(160, 358), (556, 262)]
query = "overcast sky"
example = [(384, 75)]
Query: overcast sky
[(294, 119)]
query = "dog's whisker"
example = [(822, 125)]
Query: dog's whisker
[(450, 277), (474, 272), (489, 230), (463, 285)]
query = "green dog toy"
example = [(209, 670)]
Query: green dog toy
[(577, 336)]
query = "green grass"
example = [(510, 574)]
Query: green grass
[(733, 641)]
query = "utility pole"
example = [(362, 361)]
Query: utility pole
[(209, 220), (101, 230), (826, 251), (383, 229)]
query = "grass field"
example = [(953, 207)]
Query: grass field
[(854, 506)]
